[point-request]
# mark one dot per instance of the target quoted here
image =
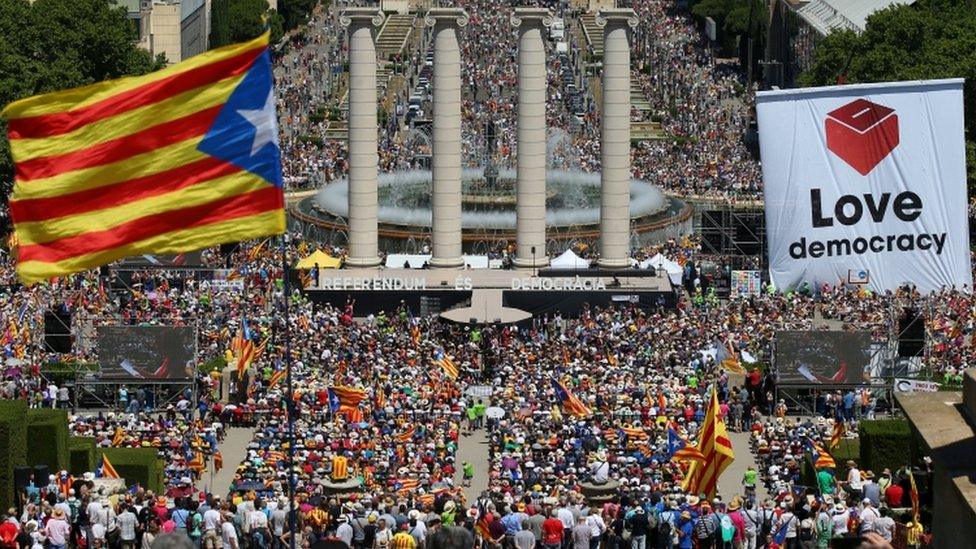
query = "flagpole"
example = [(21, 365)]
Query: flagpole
[(289, 400)]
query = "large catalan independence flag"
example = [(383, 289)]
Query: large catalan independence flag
[(173, 161), (715, 448)]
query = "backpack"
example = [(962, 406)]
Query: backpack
[(728, 528), (664, 527), (765, 524), (652, 519)]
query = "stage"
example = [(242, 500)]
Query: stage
[(490, 295)]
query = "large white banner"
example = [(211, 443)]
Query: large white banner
[(868, 179)]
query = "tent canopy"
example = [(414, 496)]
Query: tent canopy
[(569, 260), (324, 261), (660, 262)]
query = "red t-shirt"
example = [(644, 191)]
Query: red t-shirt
[(8, 534), (552, 531), (893, 495)]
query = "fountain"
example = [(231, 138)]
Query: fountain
[(488, 210), (488, 204)]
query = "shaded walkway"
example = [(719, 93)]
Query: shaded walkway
[(730, 484), (234, 448), (473, 448)]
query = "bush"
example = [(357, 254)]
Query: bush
[(48, 432), (13, 446), (81, 455), (887, 443), (136, 465), (215, 364)]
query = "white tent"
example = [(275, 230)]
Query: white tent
[(569, 260), (660, 262)]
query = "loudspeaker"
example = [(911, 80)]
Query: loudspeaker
[(22, 477), (41, 473), (911, 333), (57, 330)]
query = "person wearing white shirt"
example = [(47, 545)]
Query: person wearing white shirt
[(868, 516), (597, 528), (344, 532), (228, 534), (211, 528), (854, 481), (841, 517)]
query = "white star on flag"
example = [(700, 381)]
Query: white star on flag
[(265, 123)]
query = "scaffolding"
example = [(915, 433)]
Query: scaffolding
[(89, 386), (739, 234)]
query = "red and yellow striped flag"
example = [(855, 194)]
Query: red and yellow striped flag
[(837, 434), (449, 367), (406, 436), (571, 403), (714, 444), (172, 161), (276, 377), (108, 471)]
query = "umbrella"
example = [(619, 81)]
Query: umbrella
[(495, 412)]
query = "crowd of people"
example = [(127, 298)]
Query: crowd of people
[(641, 372), (376, 403), (701, 103)]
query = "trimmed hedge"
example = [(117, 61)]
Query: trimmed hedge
[(81, 455), (887, 443), (47, 436), (13, 446), (136, 465)]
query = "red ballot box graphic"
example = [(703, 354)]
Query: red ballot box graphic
[(862, 134)]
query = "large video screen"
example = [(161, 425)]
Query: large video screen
[(825, 358), (146, 353)]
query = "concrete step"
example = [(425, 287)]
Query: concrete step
[(593, 33), (637, 97), (393, 37)]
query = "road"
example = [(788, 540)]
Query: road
[(473, 448), (730, 484), (233, 448)]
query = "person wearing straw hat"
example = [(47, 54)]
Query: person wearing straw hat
[(57, 529)]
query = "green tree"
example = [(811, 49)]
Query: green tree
[(51, 45), (930, 39), (233, 21), (295, 12), (732, 19)]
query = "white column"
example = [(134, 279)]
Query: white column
[(363, 159), (530, 190), (615, 138), (446, 161)]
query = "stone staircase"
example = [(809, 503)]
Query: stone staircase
[(637, 98), (593, 33), (393, 37)]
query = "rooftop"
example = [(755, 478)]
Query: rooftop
[(830, 15)]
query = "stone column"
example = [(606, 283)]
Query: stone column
[(530, 208), (363, 159), (446, 161), (615, 138)]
